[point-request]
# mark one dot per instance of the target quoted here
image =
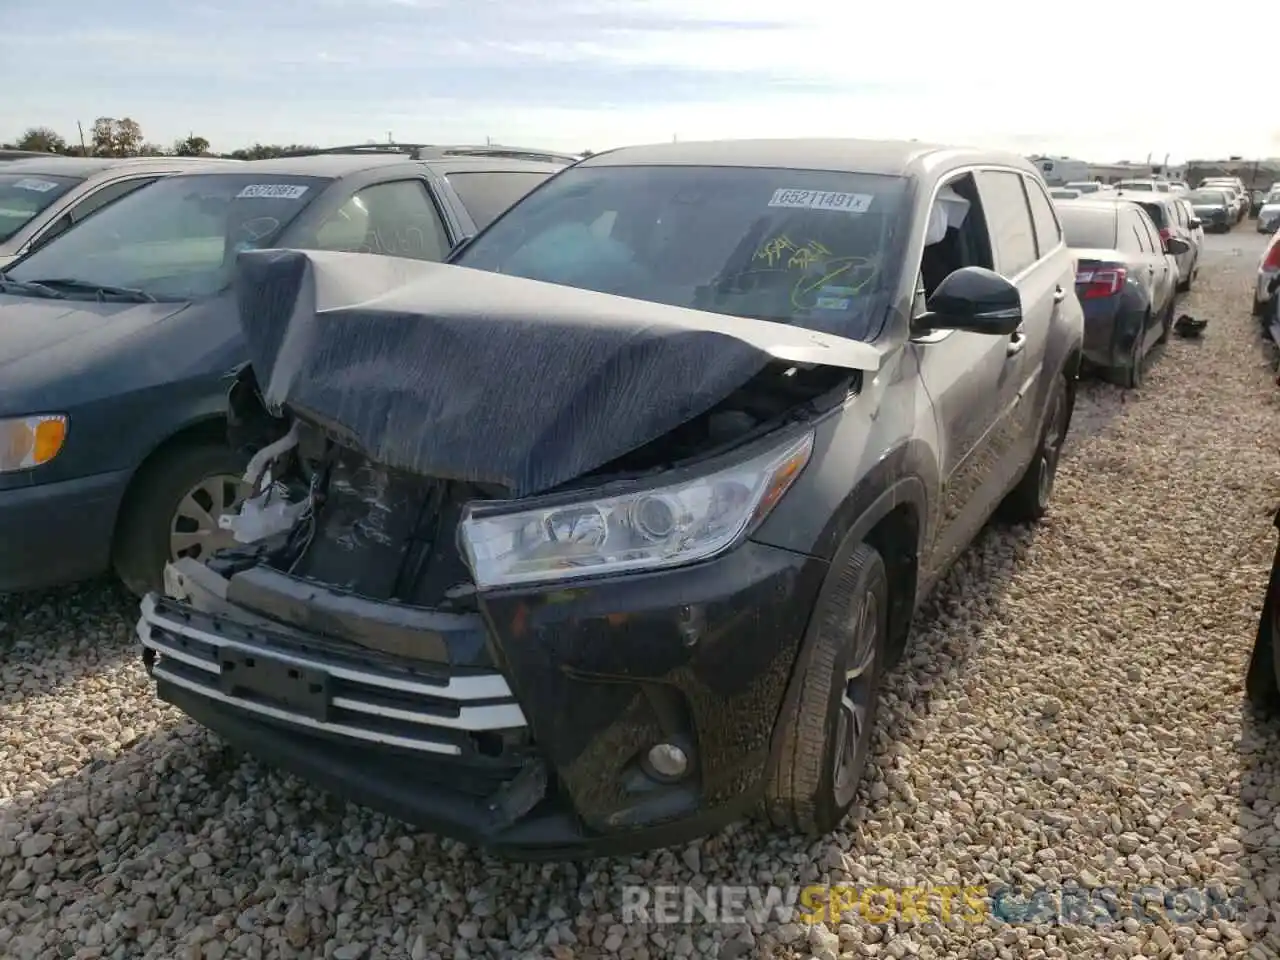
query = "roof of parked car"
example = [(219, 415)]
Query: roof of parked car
[(892, 157), (337, 165), (55, 165)]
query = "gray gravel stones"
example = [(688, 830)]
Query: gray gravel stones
[(1071, 709)]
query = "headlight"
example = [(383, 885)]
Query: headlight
[(644, 530), (28, 442)]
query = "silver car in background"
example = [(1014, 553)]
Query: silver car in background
[(41, 197), (1269, 212)]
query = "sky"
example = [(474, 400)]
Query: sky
[(593, 74)]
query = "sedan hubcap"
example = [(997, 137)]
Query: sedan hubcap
[(194, 530), (856, 698)]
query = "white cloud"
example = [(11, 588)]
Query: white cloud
[(576, 73)]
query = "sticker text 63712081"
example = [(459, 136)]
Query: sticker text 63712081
[(272, 191), (821, 200)]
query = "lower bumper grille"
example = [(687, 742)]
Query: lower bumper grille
[(288, 681)]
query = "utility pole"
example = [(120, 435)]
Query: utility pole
[(83, 151)]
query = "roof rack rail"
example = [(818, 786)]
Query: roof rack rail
[(494, 150), (430, 151)]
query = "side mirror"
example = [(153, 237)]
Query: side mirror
[(1195, 223), (459, 247), (974, 299), (1176, 246)]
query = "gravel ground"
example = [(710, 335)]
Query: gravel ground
[(1071, 708)]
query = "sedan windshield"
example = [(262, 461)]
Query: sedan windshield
[(808, 247), (1086, 187), (1136, 185), (1208, 198), (23, 195), (174, 240)]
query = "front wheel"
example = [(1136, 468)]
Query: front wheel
[(1166, 322), (824, 741), (172, 511), (1260, 683), (1028, 502)]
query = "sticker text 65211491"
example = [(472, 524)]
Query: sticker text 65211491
[(38, 186), (821, 200), (272, 191)]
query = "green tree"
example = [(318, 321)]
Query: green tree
[(191, 146), (42, 139), (116, 138)]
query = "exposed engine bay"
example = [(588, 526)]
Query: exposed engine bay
[(320, 510)]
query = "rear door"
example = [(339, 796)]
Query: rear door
[(1038, 278), (1163, 268), (1138, 247)]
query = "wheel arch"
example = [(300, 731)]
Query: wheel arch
[(210, 428), (895, 524)]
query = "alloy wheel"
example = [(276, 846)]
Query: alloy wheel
[(194, 530), (857, 698)]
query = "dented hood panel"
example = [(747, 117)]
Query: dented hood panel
[(461, 374)]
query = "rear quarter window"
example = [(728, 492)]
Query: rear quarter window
[(487, 194), (1156, 212)]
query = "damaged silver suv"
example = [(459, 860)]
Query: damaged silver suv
[(602, 535)]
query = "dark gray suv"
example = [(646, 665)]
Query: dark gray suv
[(605, 533)]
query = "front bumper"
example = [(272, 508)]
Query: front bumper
[(520, 728), (57, 533)]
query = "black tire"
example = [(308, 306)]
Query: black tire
[(1028, 502), (1259, 308), (804, 790), (1130, 376), (142, 541), (1184, 286), (1260, 681)]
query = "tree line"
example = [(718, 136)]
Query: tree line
[(122, 137)]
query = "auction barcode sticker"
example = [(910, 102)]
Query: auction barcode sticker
[(272, 191), (821, 200), (39, 186)]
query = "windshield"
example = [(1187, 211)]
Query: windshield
[(1064, 194), (23, 195), (1084, 187), (178, 238), (808, 247), (1135, 185), (1208, 198), (1088, 229)]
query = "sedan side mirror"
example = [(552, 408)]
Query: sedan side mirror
[(974, 299), (1176, 246), (1195, 223)]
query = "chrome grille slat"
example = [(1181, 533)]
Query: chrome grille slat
[(189, 657)]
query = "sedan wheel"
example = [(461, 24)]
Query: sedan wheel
[(194, 531)]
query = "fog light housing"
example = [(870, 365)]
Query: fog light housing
[(668, 761)]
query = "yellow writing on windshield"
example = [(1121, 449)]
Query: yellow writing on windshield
[(817, 265)]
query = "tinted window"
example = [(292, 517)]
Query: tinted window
[(1178, 214), (1156, 212), (1009, 221), (177, 239), (391, 219), (1135, 185), (1152, 233), (1088, 229), (488, 194), (1085, 187), (814, 248), (1047, 232), (1141, 235), (23, 195)]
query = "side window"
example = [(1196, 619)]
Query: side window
[(1127, 238), (396, 219), (108, 194), (966, 244), (488, 193), (1138, 232), (1048, 231), (1153, 236), (1009, 220)]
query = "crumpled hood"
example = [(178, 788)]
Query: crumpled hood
[(462, 374)]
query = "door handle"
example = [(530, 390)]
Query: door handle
[(1017, 341), (1059, 294)]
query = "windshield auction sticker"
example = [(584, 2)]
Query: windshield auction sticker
[(38, 186), (821, 200), (272, 191)]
